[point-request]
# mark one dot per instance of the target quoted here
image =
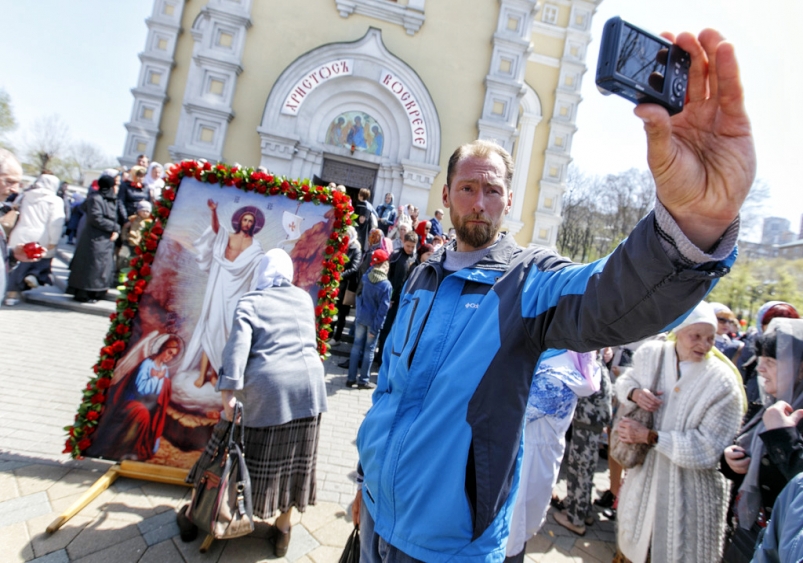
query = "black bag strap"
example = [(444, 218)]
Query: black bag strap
[(239, 413)]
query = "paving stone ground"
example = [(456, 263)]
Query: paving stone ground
[(48, 354)]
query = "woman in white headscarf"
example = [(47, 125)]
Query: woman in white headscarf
[(153, 181), (271, 365), (767, 453), (673, 506)]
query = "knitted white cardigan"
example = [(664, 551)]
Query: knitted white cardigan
[(676, 501)]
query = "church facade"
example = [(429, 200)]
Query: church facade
[(368, 93)]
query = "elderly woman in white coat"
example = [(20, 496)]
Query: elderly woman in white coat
[(673, 506)]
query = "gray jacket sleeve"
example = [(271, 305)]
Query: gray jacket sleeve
[(231, 375)]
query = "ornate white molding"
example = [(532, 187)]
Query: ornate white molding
[(562, 128), (411, 16), (529, 120), (504, 84), (150, 93), (296, 144), (219, 35)]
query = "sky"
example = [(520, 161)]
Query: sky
[(79, 60)]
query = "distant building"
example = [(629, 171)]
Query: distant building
[(791, 250), (756, 250), (775, 231)]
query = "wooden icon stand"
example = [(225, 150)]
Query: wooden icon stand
[(131, 469)]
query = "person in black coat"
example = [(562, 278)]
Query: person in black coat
[(349, 279), (131, 193), (92, 265)]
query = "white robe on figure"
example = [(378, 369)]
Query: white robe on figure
[(228, 281)]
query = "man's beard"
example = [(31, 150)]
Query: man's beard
[(249, 231), (474, 235)]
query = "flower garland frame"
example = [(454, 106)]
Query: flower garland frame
[(139, 274)]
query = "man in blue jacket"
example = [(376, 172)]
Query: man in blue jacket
[(440, 449)]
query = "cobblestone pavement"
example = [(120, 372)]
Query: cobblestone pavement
[(46, 362)]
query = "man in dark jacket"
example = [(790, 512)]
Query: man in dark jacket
[(402, 262), (373, 301), (440, 447)]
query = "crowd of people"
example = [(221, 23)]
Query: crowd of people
[(104, 224), (491, 354)]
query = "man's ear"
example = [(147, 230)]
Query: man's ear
[(445, 195), (509, 201)]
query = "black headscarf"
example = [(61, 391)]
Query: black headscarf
[(106, 186)]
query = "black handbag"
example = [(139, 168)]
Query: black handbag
[(351, 554), (631, 455), (221, 501)]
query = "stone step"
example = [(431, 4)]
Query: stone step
[(52, 296)]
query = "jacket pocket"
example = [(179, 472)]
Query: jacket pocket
[(408, 329)]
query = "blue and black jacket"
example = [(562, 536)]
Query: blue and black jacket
[(441, 446)]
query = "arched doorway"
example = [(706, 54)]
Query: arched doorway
[(397, 131)]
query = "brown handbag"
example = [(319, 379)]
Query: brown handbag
[(631, 455), (350, 298)]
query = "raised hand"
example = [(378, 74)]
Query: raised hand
[(703, 158)]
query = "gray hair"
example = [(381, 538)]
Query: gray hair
[(7, 159)]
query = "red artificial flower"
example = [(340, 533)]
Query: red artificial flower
[(318, 311), (198, 174), (147, 258), (103, 383), (228, 182), (138, 290), (211, 178), (157, 229), (164, 212), (129, 313), (325, 279), (113, 316), (145, 271), (140, 283), (321, 294), (322, 348), (134, 262), (133, 297), (67, 447), (122, 329), (305, 188), (327, 320), (322, 198), (118, 346), (95, 368), (338, 224), (335, 292), (131, 274), (137, 251), (207, 165), (151, 245), (285, 185), (323, 334), (274, 190), (336, 275), (331, 307), (292, 195), (188, 165), (329, 249), (89, 430), (84, 444), (107, 364), (169, 194), (98, 399), (261, 188), (269, 178), (307, 197), (106, 351)]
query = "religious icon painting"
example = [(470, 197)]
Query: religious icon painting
[(153, 395), (357, 131)]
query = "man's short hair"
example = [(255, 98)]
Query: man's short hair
[(411, 237), (480, 149), (7, 159), (365, 194), (439, 211)]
